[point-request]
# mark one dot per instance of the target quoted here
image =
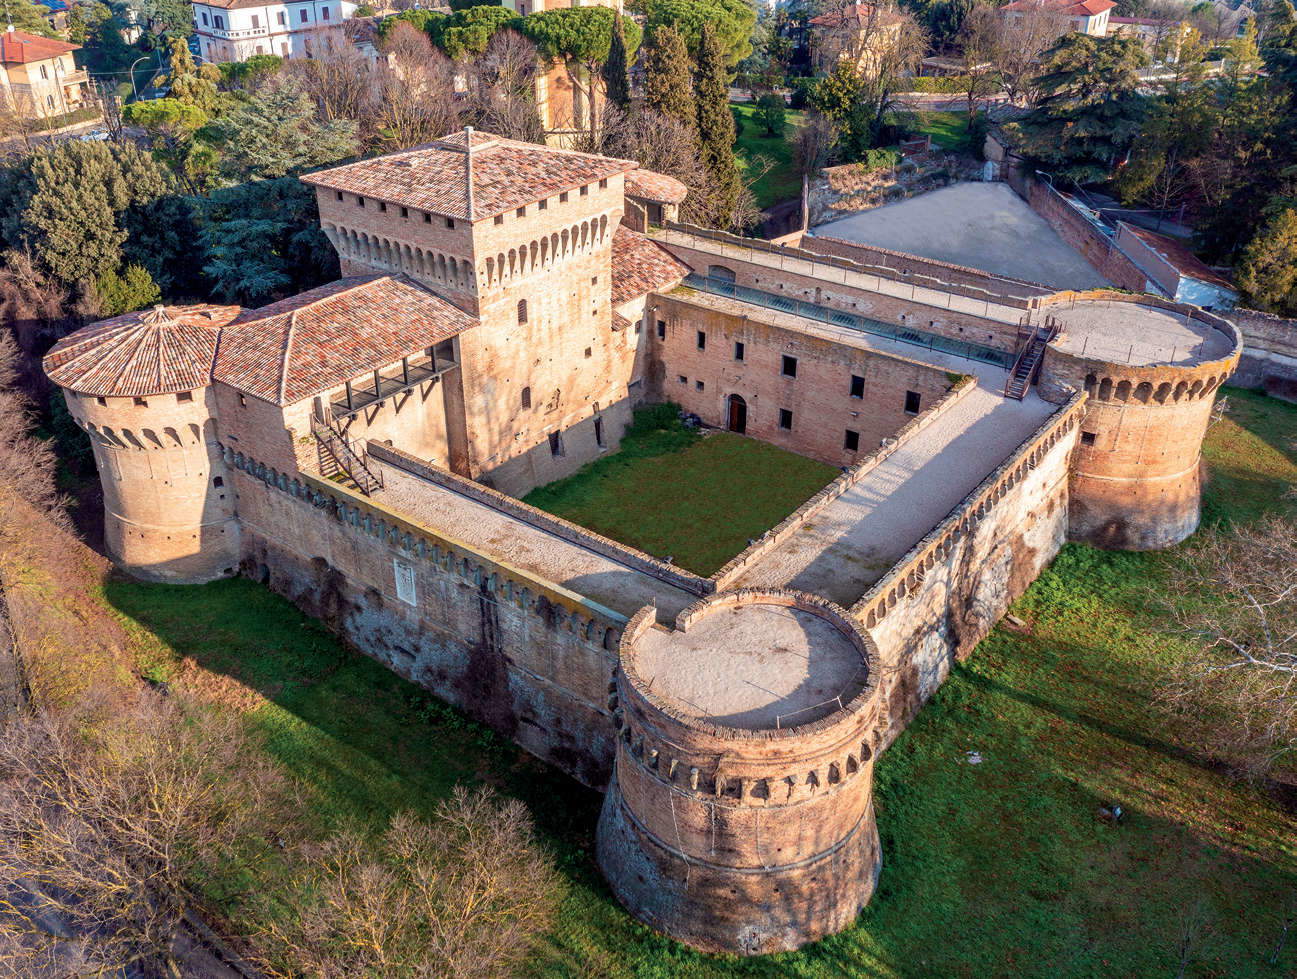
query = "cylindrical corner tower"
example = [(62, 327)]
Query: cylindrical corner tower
[(1151, 369), (740, 815), (139, 385)]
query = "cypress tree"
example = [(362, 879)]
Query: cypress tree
[(716, 127), (616, 73), (668, 87)]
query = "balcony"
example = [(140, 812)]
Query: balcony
[(852, 321), (232, 35), (410, 373)]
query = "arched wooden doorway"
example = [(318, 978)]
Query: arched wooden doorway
[(738, 414)]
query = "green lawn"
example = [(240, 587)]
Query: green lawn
[(672, 492), (755, 150), (998, 869), (949, 130)]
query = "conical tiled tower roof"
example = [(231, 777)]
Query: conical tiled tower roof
[(157, 351)]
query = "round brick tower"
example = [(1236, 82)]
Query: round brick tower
[(740, 814), (139, 385), (1151, 369)]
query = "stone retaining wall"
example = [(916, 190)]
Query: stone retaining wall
[(1269, 361)]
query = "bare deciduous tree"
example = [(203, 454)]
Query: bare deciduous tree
[(414, 100), (1235, 596), (338, 80), (501, 87), (463, 895), (27, 464), (1024, 36), (979, 42), (109, 819)]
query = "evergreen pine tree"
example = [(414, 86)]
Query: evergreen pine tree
[(616, 73), (1267, 275), (668, 87), (716, 127)]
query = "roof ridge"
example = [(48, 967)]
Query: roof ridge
[(286, 353)]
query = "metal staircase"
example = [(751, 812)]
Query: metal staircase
[(1027, 364), (338, 459)]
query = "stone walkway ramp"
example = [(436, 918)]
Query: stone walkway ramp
[(844, 549), (509, 539)]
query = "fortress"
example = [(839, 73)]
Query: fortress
[(361, 448)]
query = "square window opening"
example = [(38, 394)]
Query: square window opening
[(789, 368), (1087, 438)]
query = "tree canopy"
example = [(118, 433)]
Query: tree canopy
[(580, 35), (731, 21)]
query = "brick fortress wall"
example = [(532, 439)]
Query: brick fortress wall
[(1269, 361)]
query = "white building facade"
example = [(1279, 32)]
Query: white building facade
[(235, 30)]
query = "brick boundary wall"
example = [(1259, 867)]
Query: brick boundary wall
[(548, 522), (775, 536), (907, 574), (1269, 360), (902, 262), (1102, 252)]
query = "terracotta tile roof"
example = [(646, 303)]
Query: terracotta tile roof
[(313, 342), (1068, 8), (1178, 255), (653, 186), (159, 351), (641, 266), (20, 48), (506, 174)]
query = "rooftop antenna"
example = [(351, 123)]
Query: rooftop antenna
[(468, 148)]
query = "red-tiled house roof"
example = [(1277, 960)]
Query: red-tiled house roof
[(1179, 257), (506, 174), (314, 342), (158, 351), (1068, 8), (650, 185), (20, 48), (641, 266)]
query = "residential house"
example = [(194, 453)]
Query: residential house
[(235, 30), (41, 78), (1083, 16), (1161, 38), (860, 32)]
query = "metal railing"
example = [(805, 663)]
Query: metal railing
[(852, 321), (346, 458), (412, 372)]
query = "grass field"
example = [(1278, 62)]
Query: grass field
[(949, 130), (670, 491), (755, 149), (989, 870)]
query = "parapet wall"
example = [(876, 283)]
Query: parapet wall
[(736, 839), (527, 656), (564, 529), (1269, 361), (737, 566), (947, 593)]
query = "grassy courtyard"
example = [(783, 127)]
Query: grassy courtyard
[(672, 492), (995, 869), (774, 154)]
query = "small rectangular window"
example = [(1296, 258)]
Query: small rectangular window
[(738, 350), (102, 401), (702, 340), (185, 396), (555, 444), (339, 194), (218, 481), (499, 219), (243, 402), (405, 212), (427, 218), (360, 202), (562, 198), (852, 441), (141, 403), (662, 329), (521, 212), (594, 280), (324, 13), (283, 22), (682, 379), (585, 191), (911, 402), (382, 206), (603, 184), (857, 386), (450, 222), (1087, 438), (304, 18), (699, 386), (785, 419), (789, 368), (542, 205)]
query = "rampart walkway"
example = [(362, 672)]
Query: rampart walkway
[(510, 539)]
